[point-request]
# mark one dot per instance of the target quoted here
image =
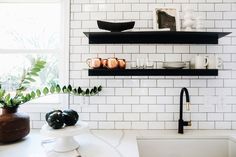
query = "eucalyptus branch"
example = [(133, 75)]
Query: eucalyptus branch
[(58, 90), (7, 101), (28, 75)]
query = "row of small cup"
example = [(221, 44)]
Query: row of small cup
[(197, 62), (152, 64)]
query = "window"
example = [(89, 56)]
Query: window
[(30, 26), (32, 29)]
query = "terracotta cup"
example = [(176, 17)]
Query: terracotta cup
[(94, 62), (122, 63), (104, 63), (112, 63)]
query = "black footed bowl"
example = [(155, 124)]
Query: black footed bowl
[(115, 26)]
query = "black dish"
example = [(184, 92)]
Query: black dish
[(115, 26)]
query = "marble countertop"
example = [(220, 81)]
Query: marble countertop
[(102, 143)]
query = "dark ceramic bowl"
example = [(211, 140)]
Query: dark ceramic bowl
[(115, 26)]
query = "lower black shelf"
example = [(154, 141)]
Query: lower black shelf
[(153, 72)]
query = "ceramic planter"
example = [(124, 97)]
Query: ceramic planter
[(13, 125)]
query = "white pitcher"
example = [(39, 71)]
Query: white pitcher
[(215, 62), (201, 62)]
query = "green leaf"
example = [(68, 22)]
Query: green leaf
[(64, 89), (58, 89), (87, 91), (52, 89), (95, 89), (18, 95), (28, 97), (11, 102), (30, 79), (15, 102), (69, 88), (26, 82), (33, 94), (35, 70), (21, 89), (24, 99), (2, 93), (92, 91), (7, 97), (38, 92), (79, 90), (8, 103), (34, 74), (74, 91), (45, 91), (41, 62), (40, 66), (100, 88)]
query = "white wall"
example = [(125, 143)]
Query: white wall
[(153, 102)]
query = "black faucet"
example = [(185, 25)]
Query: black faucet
[(183, 123)]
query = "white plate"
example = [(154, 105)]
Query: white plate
[(174, 65)]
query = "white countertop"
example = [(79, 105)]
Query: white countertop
[(103, 143)]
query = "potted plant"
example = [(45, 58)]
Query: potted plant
[(14, 125)]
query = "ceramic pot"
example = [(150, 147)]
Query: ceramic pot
[(13, 125)]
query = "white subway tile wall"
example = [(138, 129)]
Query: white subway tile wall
[(152, 102)]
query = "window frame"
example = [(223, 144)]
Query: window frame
[(65, 39)]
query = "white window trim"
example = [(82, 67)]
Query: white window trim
[(64, 56), (64, 59), (31, 1), (28, 51)]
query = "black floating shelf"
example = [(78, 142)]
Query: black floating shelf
[(153, 72), (152, 37)]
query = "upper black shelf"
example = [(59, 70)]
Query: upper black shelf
[(154, 37), (153, 72)]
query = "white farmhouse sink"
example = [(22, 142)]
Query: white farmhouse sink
[(187, 147)]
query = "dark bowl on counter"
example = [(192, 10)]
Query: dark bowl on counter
[(115, 26)]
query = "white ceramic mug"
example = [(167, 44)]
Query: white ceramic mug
[(201, 62), (215, 62)]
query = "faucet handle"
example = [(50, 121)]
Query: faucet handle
[(188, 106), (190, 123)]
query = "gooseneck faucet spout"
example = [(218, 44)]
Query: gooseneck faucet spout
[(183, 123)]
